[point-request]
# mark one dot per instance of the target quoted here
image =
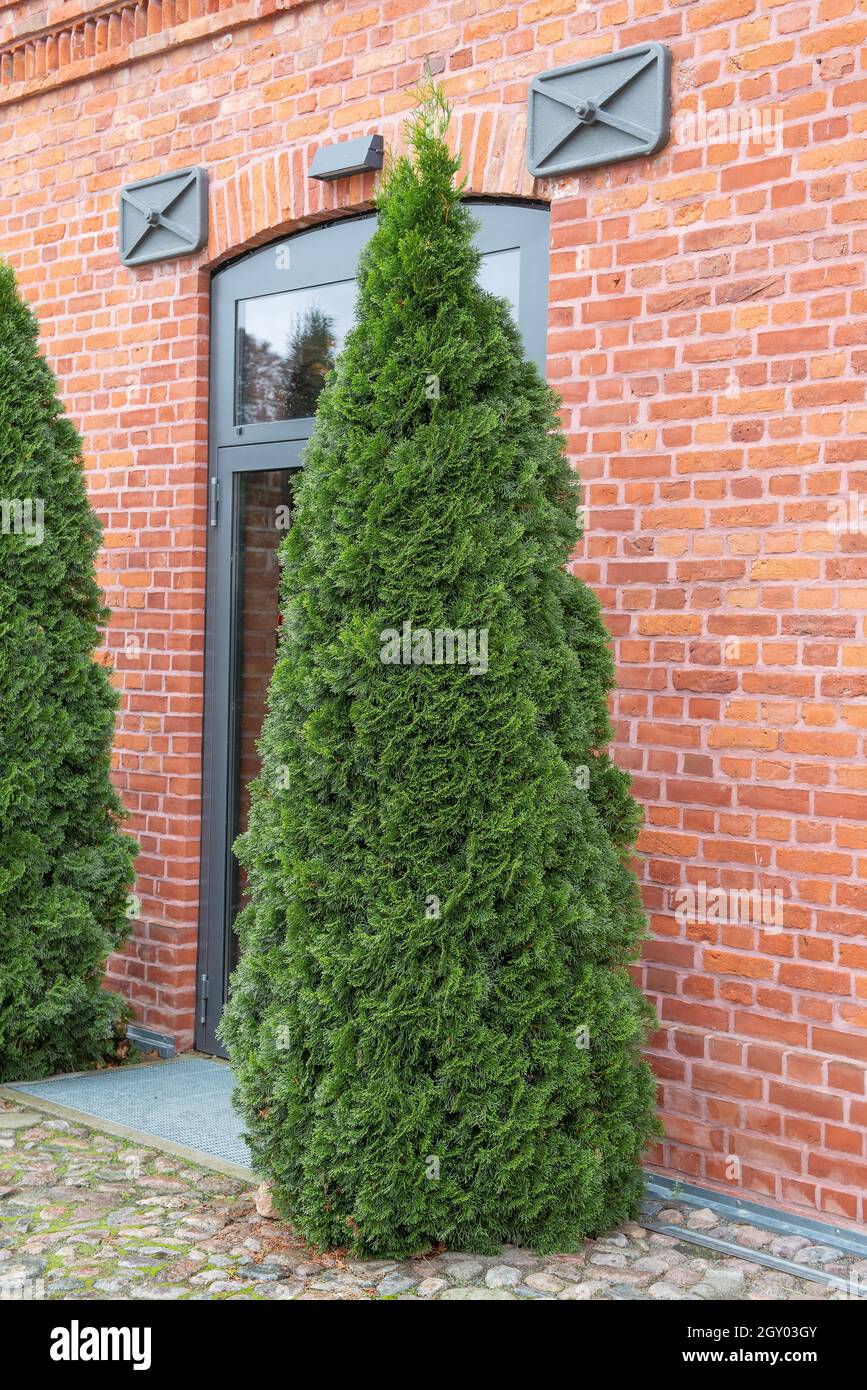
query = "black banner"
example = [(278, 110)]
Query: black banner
[(180, 1337)]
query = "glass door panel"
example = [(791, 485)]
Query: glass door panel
[(500, 274), (286, 345), (263, 508)]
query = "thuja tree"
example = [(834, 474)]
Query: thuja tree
[(433, 1029), (65, 867)]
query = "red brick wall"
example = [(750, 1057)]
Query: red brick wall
[(708, 337)]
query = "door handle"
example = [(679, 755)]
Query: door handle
[(215, 501)]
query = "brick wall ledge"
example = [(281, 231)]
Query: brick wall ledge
[(115, 35)]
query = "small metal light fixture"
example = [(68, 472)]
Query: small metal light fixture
[(348, 157)]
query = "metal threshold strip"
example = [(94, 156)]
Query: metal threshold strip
[(182, 1106), (660, 1191), (758, 1257)]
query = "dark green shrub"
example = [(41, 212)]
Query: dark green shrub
[(65, 867), (441, 909)]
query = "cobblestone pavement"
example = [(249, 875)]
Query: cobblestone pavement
[(86, 1216)]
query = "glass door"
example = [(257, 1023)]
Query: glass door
[(279, 318), (263, 511)]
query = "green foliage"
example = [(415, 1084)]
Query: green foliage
[(65, 867), (376, 1042)]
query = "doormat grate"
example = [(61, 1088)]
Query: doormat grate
[(185, 1101)]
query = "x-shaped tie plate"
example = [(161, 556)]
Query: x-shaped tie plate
[(163, 217), (599, 111)]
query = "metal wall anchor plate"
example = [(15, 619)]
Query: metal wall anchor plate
[(163, 217), (599, 111)]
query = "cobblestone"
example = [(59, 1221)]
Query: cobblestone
[(85, 1215)]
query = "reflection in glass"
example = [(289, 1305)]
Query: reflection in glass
[(264, 502), (287, 345), (499, 273), (289, 342)]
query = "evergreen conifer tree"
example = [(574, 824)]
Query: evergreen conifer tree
[(65, 867), (432, 1026)]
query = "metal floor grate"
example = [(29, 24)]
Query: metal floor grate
[(186, 1101)]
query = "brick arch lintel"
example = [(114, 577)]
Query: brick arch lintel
[(275, 195)]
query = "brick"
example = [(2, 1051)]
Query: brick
[(841, 1044), (805, 1102), (708, 332), (780, 1157), (727, 963), (721, 1081), (831, 1168), (804, 861)]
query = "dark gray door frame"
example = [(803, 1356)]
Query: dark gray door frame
[(319, 256)]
